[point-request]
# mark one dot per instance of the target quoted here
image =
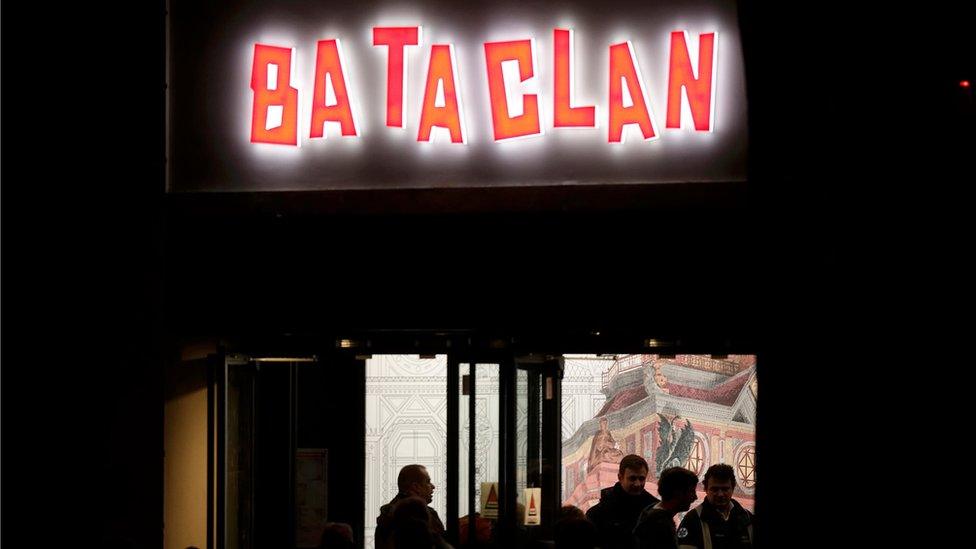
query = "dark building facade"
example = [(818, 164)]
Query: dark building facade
[(111, 284)]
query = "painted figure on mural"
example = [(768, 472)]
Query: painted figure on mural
[(604, 447), (660, 379), (675, 443)]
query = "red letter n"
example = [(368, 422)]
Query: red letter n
[(681, 74)]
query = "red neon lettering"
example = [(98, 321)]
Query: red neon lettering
[(441, 72), (623, 65), (328, 63), (396, 39), (565, 115), (527, 123), (273, 94), (681, 75)]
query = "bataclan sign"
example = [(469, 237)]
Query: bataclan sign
[(306, 96), (441, 104)]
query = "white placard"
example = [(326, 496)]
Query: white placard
[(533, 506), (489, 500)]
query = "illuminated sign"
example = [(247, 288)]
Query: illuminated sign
[(306, 96), (512, 115)]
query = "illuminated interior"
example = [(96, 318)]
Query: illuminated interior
[(688, 410)]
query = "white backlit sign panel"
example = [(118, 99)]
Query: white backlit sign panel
[(329, 96)]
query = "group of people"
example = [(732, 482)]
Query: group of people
[(628, 517)]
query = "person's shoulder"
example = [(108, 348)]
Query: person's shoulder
[(650, 498), (659, 515), (609, 496), (692, 516), (436, 519), (644, 514), (649, 514), (386, 511), (689, 532), (738, 508), (742, 516), (653, 523), (595, 510)]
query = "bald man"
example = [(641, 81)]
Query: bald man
[(412, 482)]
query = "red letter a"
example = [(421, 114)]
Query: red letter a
[(330, 101), (623, 66), (442, 77)]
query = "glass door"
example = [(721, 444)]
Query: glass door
[(474, 464), (253, 451), (537, 441), (503, 449), (268, 479)]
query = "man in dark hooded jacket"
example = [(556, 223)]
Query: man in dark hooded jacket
[(621, 504)]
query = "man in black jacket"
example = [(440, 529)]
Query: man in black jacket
[(620, 505), (719, 522), (655, 527), (412, 482)]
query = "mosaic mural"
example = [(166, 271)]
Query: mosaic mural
[(688, 410)]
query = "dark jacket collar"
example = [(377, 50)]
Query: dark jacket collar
[(617, 495), (737, 512)]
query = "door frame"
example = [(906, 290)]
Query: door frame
[(546, 371)]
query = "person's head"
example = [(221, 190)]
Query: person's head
[(482, 531), (575, 533), (719, 482), (336, 535), (677, 485), (659, 378), (411, 508), (632, 474), (414, 480), (570, 512)]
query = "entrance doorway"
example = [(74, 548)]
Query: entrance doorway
[(477, 425), (506, 437)]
